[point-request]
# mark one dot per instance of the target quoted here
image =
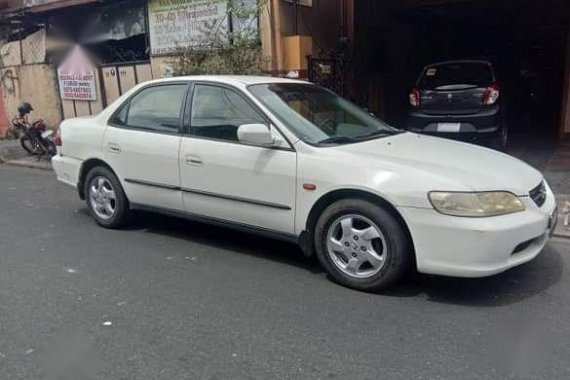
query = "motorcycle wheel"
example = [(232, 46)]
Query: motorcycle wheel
[(31, 146), (26, 143)]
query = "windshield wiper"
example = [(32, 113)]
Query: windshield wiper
[(337, 140), (346, 139), (378, 134)]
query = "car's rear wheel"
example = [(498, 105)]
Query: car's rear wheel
[(106, 198), (362, 245), (30, 146)]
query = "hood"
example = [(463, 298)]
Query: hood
[(474, 167)]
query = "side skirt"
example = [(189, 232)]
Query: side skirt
[(272, 234)]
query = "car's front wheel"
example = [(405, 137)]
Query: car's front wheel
[(362, 245), (105, 198)]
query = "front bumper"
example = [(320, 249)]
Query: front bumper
[(479, 247)]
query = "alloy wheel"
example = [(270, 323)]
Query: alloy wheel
[(356, 246), (102, 197)]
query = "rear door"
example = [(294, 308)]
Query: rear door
[(142, 142), (456, 88)]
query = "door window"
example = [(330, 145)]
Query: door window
[(156, 108), (217, 112)]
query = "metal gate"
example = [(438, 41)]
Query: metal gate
[(111, 81), (329, 73), (118, 79)]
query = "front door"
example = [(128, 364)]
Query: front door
[(142, 143), (228, 180)]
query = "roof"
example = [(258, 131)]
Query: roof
[(456, 61), (235, 80), (243, 80)]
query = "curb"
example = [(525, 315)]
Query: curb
[(30, 164), (560, 199)]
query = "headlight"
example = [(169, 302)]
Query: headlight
[(476, 204)]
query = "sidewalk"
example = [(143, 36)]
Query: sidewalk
[(12, 153), (11, 150), (32, 162), (557, 173)]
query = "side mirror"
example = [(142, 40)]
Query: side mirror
[(256, 134)]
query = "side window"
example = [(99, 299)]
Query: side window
[(155, 108), (121, 117), (217, 112)]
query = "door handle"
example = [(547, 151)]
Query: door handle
[(114, 148), (194, 160)]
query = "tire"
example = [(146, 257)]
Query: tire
[(362, 268), (30, 146), (105, 198)]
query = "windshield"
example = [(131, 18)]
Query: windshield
[(319, 116), (463, 73)]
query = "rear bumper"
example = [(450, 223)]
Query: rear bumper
[(483, 126), (67, 169)]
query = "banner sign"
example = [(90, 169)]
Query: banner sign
[(76, 77), (177, 24), (78, 86)]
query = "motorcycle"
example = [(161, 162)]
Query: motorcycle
[(35, 138)]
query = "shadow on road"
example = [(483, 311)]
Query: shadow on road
[(510, 287), (224, 238), (507, 288)]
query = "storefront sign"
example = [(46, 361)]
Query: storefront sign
[(76, 77), (178, 24)]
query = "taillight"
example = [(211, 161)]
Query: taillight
[(491, 95), (415, 97)]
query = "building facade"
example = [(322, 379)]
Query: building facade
[(371, 51)]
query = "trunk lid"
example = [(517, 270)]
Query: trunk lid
[(452, 100)]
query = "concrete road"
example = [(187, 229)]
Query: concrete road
[(170, 299)]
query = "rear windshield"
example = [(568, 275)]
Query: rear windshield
[(451, 74)]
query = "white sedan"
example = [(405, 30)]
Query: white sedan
[(291, 160)]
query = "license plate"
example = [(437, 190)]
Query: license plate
[(47, 134), (448, 127)]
